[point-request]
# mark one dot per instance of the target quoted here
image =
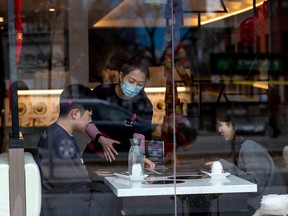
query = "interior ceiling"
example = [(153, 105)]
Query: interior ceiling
[(134, 13)]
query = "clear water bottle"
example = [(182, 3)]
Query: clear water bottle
[(135, 161)]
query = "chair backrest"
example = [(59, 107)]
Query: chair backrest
[(4, 185), (274, 204), (32, 185)]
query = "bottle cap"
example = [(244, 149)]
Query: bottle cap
[(135, 141)]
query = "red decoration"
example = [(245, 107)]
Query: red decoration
[(253, 29), (263, 9), (180, 61), (19, 38), (247, 29)]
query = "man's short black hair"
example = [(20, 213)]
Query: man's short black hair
[(76, 96)]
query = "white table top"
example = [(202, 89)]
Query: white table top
[(231, 184)]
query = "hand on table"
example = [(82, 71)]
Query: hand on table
[(150, 164), (209, 163), (108, 148)]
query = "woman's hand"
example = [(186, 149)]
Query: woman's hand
[(108, 148), (209, 163), (149, 163)]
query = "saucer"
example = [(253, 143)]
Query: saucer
[(217, 175), (123, 176), (133, 178)]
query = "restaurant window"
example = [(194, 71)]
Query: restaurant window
[(275, 42), (273, 7), (285, 43), (215, 66), (284, 6)]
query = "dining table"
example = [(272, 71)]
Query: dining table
[(164, 187)]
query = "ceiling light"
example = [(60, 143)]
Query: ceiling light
[(40, 92), (1, 19), (261, 84), (51, 9), (244, 9), (163, 89), (155, 1)]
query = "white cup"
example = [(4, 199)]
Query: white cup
[(137, 170), (216, 168)]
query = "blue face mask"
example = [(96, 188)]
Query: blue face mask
[(130, 90)]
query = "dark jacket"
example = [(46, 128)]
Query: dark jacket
[(254, 164)]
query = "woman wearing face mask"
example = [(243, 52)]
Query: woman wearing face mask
[(130, 95)]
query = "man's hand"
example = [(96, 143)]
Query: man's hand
[(107, 145)]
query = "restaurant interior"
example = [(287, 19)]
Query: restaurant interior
[(202, 55)]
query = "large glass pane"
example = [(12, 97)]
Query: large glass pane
[(238, 90), (216, 70)]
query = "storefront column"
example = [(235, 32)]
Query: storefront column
[(16, 150), (78, 43)]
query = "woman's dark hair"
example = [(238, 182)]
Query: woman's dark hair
[(136, 62), (228, 111), (76, 96)]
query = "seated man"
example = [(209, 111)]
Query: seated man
[(64, 176)]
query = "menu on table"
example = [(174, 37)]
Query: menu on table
[(155, 151)]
